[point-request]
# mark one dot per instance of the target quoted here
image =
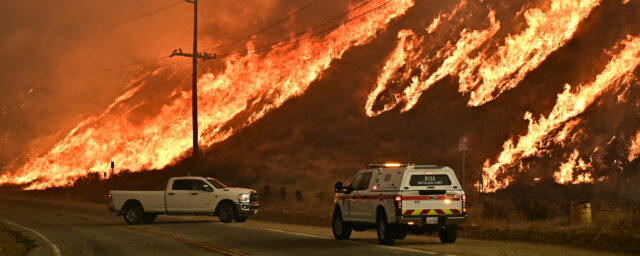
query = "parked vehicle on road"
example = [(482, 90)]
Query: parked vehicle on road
[(397, 199), (185, 196)]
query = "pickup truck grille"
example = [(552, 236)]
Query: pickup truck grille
[(253, 197)]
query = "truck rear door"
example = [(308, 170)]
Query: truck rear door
[(431, 193), (177, 198)]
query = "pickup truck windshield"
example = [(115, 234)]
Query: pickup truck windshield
[(216, 183)]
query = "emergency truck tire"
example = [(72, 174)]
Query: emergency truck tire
[(149, 218), (401, 233), (226, 213), (448, 234), (385, 232), (341, 230)]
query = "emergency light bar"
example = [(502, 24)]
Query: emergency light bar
[(387, 165)]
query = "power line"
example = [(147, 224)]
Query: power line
[(142, 15), (263, 29), (268, 47)]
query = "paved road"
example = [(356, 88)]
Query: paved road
[(85, 230)]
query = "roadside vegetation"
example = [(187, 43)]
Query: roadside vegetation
[(536, 213), (14, 243)]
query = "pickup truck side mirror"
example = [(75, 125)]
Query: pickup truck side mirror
[(207, 188)]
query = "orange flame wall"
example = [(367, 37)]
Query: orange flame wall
[(253, 83)]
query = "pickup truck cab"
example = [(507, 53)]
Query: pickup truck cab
[(185, 196), (396, 199)]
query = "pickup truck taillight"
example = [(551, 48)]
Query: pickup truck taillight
[(397, 203), (110, 197)]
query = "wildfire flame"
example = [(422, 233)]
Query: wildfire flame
[(566, 173), (486, 76), (253, 83), (568, 105), (634, 148)]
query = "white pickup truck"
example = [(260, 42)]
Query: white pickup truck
[(185, 196)]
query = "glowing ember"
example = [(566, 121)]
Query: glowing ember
[(252, 84), (568, 105)]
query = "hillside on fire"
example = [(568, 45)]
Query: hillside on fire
[(545, 91)]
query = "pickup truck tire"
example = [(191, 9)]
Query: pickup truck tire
[(149, 218), (448, 235), (386, 234), (226, 213), (341, 230), (240, 218), (133, 214)]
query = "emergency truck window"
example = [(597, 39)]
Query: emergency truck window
[(430, 180), (355, 183), (181, 185), (365, 181)]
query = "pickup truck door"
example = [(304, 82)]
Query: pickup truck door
[(177, 198), (350, 202), (200, 200)]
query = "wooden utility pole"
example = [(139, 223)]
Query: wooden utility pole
[(194, 80)]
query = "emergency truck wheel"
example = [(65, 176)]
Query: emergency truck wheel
[(149, 218), (341, 230), (448, 234), (226, 213), (385, 232)]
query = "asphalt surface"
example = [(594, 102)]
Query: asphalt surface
[(88, 230)]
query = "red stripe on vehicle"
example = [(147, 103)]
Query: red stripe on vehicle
[(439, 211), (425, 211), (408, 212), (455, 211)]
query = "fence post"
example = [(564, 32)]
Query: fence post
[(299, 196)]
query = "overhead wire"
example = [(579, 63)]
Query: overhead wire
[(269, 46), (264, 28)]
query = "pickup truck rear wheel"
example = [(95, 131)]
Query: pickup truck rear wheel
[(341, 230), (149, 218), (226, 213), (385, 232), (448, 234), (133, 214)]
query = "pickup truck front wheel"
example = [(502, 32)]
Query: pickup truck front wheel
[(226, 213), (133, 214), (240, 218)]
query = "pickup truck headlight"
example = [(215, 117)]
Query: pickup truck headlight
[(244, 198)]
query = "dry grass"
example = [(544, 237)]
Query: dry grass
[(14, 243)]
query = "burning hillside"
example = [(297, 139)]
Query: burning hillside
[(395, 80)]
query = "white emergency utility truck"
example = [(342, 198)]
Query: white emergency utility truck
[(399, 198), (185, 196)]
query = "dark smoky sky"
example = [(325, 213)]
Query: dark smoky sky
[(51, 51)]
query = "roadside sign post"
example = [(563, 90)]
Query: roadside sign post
[(462, 146), (113, 165)]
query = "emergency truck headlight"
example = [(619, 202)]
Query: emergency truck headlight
[(447, 201), (244, 198)]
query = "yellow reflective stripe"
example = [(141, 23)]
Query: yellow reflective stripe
[(416, 212), (447, 211)]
